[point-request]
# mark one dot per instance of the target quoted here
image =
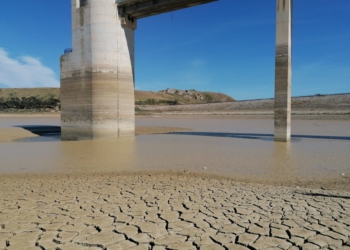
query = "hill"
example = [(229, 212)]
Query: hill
[(34, 99), (176, 96), (48, 99), (30, 92)]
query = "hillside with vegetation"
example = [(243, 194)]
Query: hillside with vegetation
[(30, 99), (187, 102), (48, 99)]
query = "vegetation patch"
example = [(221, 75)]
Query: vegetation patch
[(48, 99), (29, 100), (157, 102)]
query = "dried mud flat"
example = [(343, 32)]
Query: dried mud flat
[(166, 211)]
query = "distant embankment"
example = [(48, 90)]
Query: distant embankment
[(308, 107), (186, 102), (31, 100)]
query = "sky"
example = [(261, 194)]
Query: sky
[(226, 46)]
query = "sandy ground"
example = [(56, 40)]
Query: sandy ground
[(12, 134)]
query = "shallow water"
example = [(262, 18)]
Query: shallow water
[(243, 149)]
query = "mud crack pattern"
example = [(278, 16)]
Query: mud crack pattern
[(100, 211)]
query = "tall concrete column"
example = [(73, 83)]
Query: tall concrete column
[(283, 70), (97, 81)]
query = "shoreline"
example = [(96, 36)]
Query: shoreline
[(252, 115), (296, 115), (318, 183)]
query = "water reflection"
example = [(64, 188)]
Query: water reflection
[(117, 154), (236, 148), (79, 156), (282, 159)]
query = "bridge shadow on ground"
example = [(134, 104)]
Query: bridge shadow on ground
[(42, 130), (47, 131), (268, 137), (315, 194)]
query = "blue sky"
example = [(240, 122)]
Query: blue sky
[(226, 46)]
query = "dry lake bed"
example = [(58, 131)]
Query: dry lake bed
[(216, 183)]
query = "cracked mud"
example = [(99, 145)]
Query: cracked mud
[(167, 211)]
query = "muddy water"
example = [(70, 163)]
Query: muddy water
[(239, 149)]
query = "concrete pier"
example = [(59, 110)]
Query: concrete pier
[(283, 70), (97, 77)]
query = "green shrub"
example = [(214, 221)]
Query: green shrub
[(32, 102)]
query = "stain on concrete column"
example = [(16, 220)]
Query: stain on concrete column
[(97, 81), (283, 70)]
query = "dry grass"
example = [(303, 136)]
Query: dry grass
[(208, 97), (28, 92)]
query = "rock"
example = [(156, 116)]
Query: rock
[(171, 91)]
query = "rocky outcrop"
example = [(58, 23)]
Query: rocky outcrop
[(192, 93)]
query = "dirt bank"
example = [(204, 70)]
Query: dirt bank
[(327, 107)]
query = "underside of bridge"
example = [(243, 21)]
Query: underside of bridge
[(145, 8), (97, 75)]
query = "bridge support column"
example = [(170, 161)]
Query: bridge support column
[(97, 77), (283, 71)]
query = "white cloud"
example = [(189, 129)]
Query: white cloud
[(25, 72)]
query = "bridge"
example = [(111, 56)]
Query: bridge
[(144, 8), (97, 75)]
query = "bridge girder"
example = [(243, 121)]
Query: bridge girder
[(145, 8)]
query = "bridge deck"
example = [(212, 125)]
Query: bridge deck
[(144, 8)]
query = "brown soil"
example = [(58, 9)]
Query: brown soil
[(311, 107)]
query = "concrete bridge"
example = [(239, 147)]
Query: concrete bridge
[(97, 77)]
